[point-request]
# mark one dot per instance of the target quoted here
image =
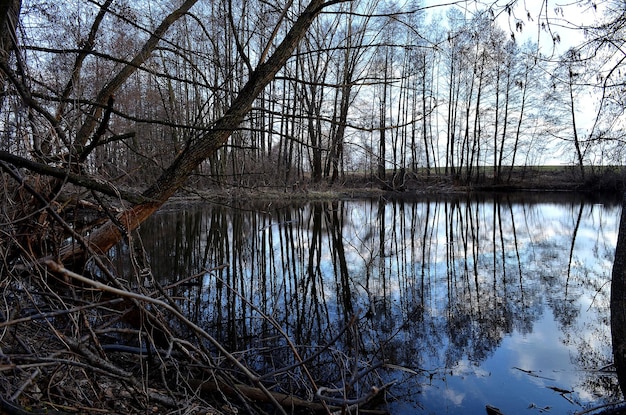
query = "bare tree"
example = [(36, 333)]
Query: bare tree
[(197, 146), (354, 51), (563, 98)]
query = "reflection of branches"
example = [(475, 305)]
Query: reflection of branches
[(340, 257), (571, 249), (301, 363), (272, 321)]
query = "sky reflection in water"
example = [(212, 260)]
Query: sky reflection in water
[(489, 301)]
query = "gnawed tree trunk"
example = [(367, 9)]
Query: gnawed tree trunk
[(200, 148)]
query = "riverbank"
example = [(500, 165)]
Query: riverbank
[(527, 180)]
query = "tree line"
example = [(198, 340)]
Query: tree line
[(374, 87)]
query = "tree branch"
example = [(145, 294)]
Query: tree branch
[(114, 84), (91, 183)]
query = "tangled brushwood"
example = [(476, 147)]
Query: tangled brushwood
[(97, 342), (70, 344)]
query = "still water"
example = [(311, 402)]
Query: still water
[(459, 302)]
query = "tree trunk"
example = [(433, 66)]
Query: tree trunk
[(424, 118), (505, 122), (104, 238), (381, 174), (618, 302), (579, 153), (518, 131), (474, 160), (9, 15), (496, 179)]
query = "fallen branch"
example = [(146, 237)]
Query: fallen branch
[(285, 400), (83, 180), (58, 269), (532, 373), (374, 391), (612, 406), (57, 313)]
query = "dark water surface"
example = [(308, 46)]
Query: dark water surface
[(497, 300)]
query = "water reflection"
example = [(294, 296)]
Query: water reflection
[(488, 301)]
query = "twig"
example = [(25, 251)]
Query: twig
[(606, 405), (301, 362), (193, 277), (50, 361), (316, 354), (14, 409), (104, 364), (50, 314), (13, 366), (286, 337), (532, 373), (24, 385), (57, 268), (350, 402)]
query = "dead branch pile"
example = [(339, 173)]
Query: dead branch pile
[(72, 343), (94, 341)]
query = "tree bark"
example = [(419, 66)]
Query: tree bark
[(618, 302), (200, 148), (9, 15)]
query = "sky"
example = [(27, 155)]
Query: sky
[(564, 18), (539, 21), (543, 20)]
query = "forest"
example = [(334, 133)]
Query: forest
[(109, 108), (373, 88)]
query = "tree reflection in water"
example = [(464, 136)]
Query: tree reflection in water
[(488, 301)]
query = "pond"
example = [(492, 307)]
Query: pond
[(460, 302)]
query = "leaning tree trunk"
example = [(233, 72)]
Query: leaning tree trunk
[(618, 302), (198, 149)]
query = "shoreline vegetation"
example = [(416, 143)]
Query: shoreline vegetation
[(522, 180)]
